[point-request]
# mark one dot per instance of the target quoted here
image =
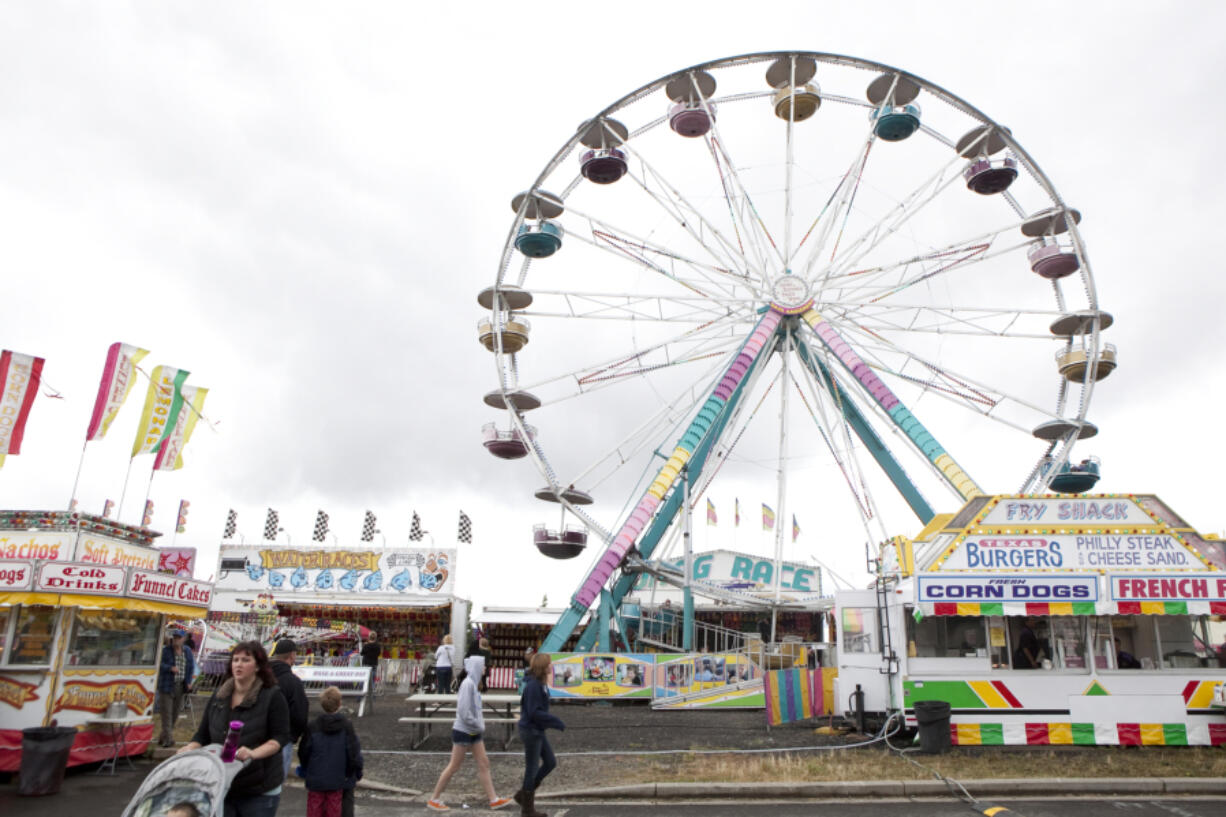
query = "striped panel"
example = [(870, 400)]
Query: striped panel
[(1153, 608), (1217, 608), (1200, 696), (902, 417), (989, 694), (1217, 734), (1013, 734), (1060, 734), (500, 678), (699, 427), (1083, 734), (966, 734), (1076, 608), (1153, 734), (822, 692), (1060, 608), (1037, 734), (968, 609), (1106, 734), (788, 695), (1174, 734)]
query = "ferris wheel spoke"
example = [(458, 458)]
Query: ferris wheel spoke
[(942, 380), (884, 280), (942, 320), (751, 222), (914, 203), (693, 344), (685, 215), (624, 245), (693, 309)]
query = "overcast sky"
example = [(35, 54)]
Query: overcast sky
[(298, 202)]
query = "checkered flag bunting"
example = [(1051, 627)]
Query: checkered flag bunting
[(416, 534), (465, 533), (368, 527), (321, 527), (231, 525), (271, 525)]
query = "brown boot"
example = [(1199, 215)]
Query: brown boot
[(529, 806), (520, 797)]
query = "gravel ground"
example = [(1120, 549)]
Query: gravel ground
[(625, 731)]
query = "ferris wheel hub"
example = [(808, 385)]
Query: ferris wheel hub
[(790, 294)]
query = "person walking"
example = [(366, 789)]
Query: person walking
[(468, 734), (534, 719), (175, 673), (284, 656), (484, 650), (249, 693), (331, 758), (444, 657)]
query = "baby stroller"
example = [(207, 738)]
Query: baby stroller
[(197, 777)]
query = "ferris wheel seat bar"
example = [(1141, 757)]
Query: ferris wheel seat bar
[(699, 428), (889, 402), (1073, 363), (603, 166), (1052, 260)]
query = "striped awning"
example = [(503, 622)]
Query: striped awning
[(1085, 608)]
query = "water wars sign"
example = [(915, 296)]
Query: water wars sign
[(995, 587), (294, 571)]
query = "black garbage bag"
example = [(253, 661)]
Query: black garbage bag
[(44, 757)]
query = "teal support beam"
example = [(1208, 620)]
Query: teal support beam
[(664, 517), (687, 620), (868, 436)]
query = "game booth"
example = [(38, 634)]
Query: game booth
[(1046, 620), (331, 600), (511, 632), (83, 610)]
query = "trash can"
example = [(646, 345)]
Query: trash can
[(44, 757), (933, 719)]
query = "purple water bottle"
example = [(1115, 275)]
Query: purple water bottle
[(231, 745)]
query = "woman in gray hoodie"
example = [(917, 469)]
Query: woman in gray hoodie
[(467, 733)]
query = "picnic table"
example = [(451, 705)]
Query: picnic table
[(501, 712)]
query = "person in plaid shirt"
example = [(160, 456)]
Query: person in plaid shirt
[(175, 673)]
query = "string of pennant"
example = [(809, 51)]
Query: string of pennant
[(273, 528)]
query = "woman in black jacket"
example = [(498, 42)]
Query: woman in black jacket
[(249, 693), (534, 719)]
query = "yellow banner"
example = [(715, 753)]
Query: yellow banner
[(159, 412)]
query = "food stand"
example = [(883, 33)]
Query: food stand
[(82, 614), (405, 595), (1095, 619)]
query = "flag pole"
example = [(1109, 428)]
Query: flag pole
[(122, 493), (149, 490), (77, 481)]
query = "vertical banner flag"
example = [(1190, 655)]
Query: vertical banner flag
[(321, 527), (737, 515), (162, 403), (181, 525), (231, 525), (415, 531), (368, 527), (147, 518), (768, 517), (118, 378), (20, 376), (465, 533), (107, 507), (711, 520), (272, 525), (795, 528), (170, 449)]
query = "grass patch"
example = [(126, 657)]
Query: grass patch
[(964, 764)]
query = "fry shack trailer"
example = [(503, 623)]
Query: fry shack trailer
[(82, 614), (1121, 602)]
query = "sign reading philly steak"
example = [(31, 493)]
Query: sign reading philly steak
[(1068, 552), (291, 571)]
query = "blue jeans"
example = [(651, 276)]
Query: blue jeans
[(260, 805), (287, 758), (444, 679), (539, 760)]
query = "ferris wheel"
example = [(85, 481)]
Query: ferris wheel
[(806, 268)]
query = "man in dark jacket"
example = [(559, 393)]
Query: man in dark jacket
[(331, 758), (283, 657), (175, 673)]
